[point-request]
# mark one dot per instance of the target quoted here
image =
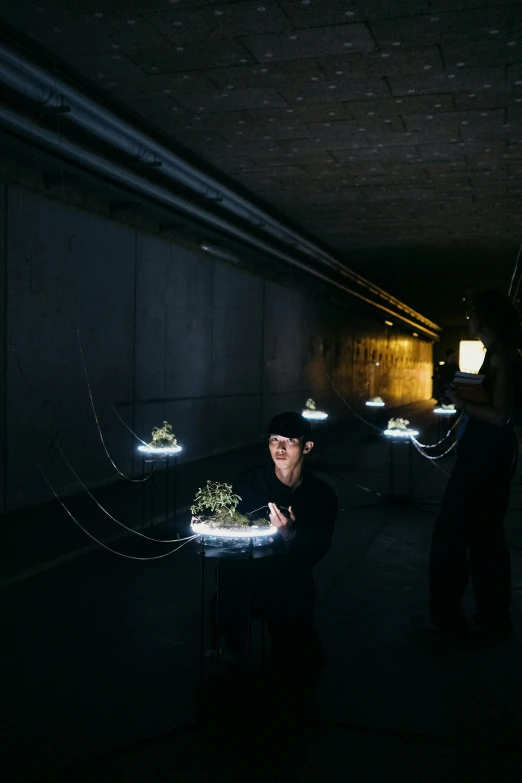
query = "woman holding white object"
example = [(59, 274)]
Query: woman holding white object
[(469, 538)]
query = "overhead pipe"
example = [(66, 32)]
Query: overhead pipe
[(35, 83), (81, 156)]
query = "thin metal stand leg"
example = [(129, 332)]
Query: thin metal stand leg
[(151, 494), (167, 494), (410, 469), (143, 493), (202, 616), (249, 603), (391, 467), (217, 619), (175, 494)]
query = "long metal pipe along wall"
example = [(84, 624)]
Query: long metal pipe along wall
[(20, 125), (47, 89)]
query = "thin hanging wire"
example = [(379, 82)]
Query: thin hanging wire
[(61, 167), (369, 424), (93, 407), (100, 543), (446, 436), (93, 498), (515, 295), (432, 460), (120, 417), (55, 441), (514, 275), (109, 457), (427, 456)]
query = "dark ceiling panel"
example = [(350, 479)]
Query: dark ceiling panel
[(401, 106), (382, 62), (473, 27), (234, 100), (459, 79), (224, 21), (276, 75), (315, 13), (170, 57), (334, 90), (316, 42)]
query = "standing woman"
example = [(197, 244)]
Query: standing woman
[(469, 538)]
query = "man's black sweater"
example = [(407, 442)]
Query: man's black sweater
[(285, 579)]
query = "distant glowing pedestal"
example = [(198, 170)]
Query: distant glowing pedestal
[(400, 445), (167, 458), (314, 415)]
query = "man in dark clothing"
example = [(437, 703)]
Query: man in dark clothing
[(303, 508)]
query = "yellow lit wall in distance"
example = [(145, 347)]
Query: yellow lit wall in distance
[(471, 355)]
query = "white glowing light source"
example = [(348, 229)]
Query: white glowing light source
[(375, 402), (314, 415), (400, 433), (471, 355), (204, 529), (444, 411), (160, 450)]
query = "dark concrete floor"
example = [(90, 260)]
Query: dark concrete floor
[(101, 652)]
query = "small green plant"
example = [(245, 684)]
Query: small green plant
[(310, 404), (398, 424), (216, 505), (163, 437)]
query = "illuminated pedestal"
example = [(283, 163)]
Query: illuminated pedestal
[(317, 419), (314, 415), (226, 544), (167, 458), (233, 542), (400, 444)]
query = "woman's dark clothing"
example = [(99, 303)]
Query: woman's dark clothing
[(469, 538)]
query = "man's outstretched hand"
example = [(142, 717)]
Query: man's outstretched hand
[(282, 523)]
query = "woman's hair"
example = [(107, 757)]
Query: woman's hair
[(496, 311)]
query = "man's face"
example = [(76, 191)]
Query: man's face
[(287, 453), (452, 358)]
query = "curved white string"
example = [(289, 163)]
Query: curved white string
[(100, 543), (78, 478), (514, 275), (446, 436), (427, 456), (120, 417), (130, 529), (431, 462), (368, 423), (91, 398)]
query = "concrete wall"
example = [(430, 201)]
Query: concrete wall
[(168, 334)]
